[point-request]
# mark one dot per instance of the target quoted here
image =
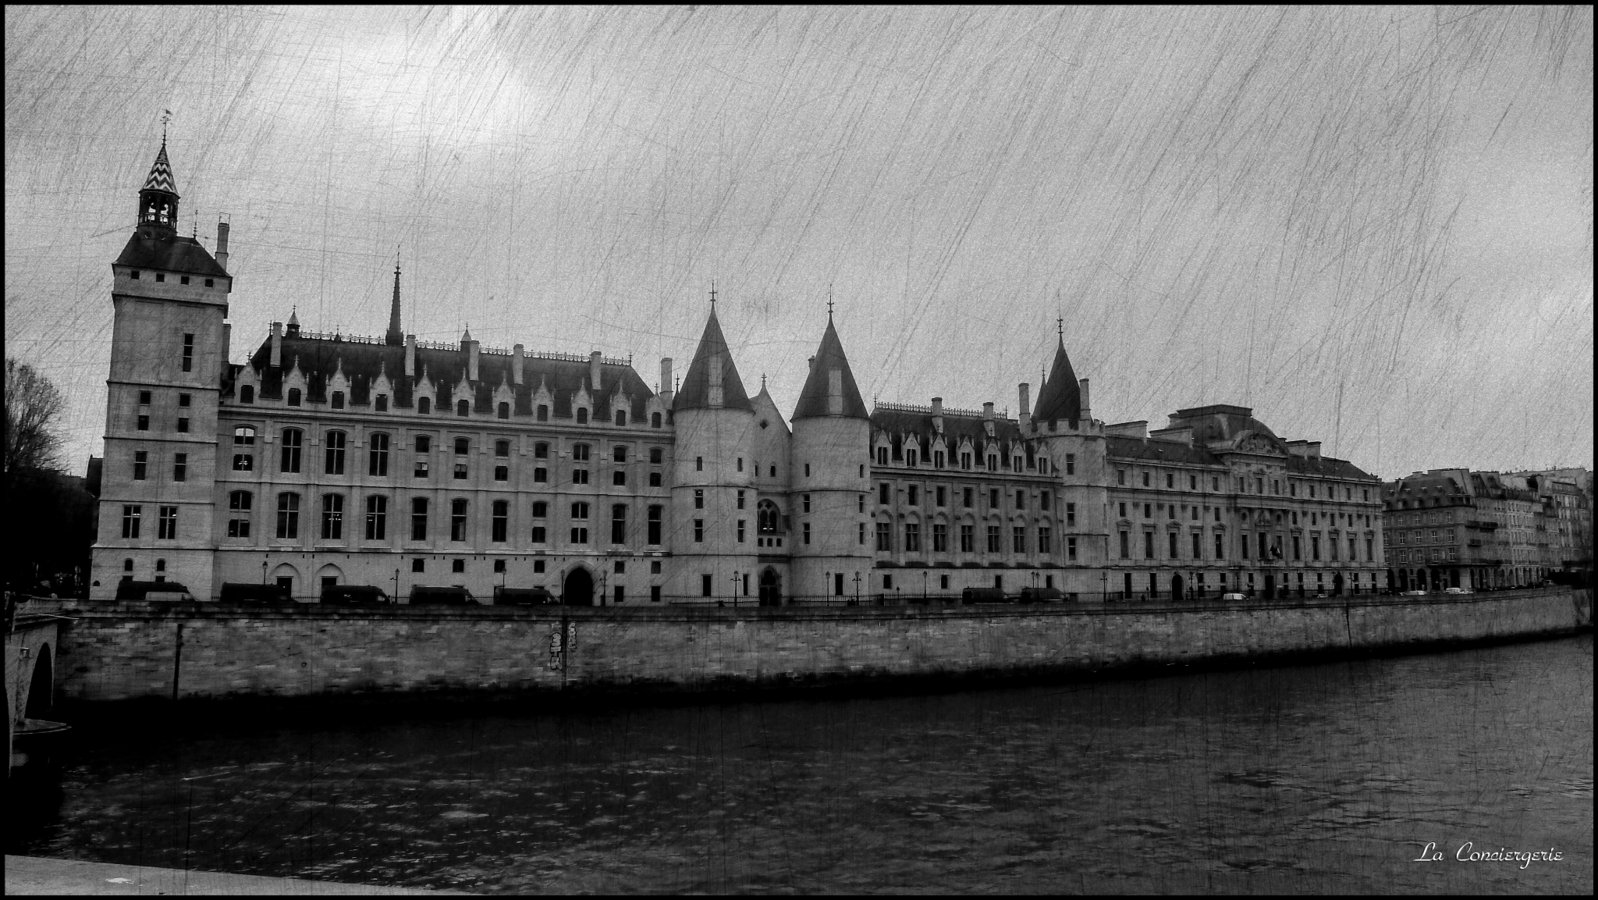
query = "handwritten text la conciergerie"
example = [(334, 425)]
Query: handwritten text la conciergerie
[(1467, 852)]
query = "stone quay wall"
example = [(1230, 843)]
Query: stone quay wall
[(119, 651)]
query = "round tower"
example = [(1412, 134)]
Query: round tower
[(713, 498), (830, 478), (1064, 428)]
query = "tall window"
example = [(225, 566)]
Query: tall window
[(884, 537), (377, 455), (500, 522), (376, 517), (463, 409), (188, 353), (294, 396), (654, 525), (288, 515), (457, 519), (1019, 534), (332, 517), (238, 504), (289, 451), (168, 524), (130, 521), (912, 537), (579, 529), (418, 518), (1045, 546), (968, 540), (141, 462), (618, 523), (180, 467), (333, 453), (993, 539), (424, 405), (243, 448), (940, 537)]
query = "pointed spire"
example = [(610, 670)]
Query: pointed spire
[(394, 336), (712, 373), (1060, 396), (830, 388)]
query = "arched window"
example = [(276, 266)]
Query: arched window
[(289, 450), (294, 396), (243, 448), (247, 393), (543, 412), (377, 455), (463, 408), (424, 405), (621, 417), (338, 399), (582, 415), (504, 410), (768, 518), (654, 420), (381, 403), (333, 452)]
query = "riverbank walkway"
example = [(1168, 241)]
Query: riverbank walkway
[(34, 875)]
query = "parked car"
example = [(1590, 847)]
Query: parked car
[(524, 597), (982, 595), (1042, 595), (1415, 593), (246, 594), (442, 596), (162, 591), (1458, 590), (1232, 596), (356, 595)]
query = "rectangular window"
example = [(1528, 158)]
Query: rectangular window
[(968, 539), (912, 497), (1196, 547), (188, 353), (1019, 538), (418, 518), (993, 498), (457, 519), (1220, 545), (168, 523), (1172, 543), (1148, 545), (1070, 515), (333, 447), (141, 459), (288, 516), (289, 452), (940, 496), (884, 537), (180, 467), (912, 537), (376, 517), (183, 424), (804, 530), (1070, 549), (499, 521), (332, 517), (239, 506), (704, 585), (882, 493), (1126, 550), (699, 530), (654, 524), (377, 455), (993, 539), (143, 423), (1045, 535), (618, 524), (940, 537), (130, 521), (1070, 464)]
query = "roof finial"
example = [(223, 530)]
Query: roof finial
[(762, 380), (1059, 325), (829, 301), (166, 116), (712, 295)]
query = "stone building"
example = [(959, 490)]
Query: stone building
[(1459, 528), (331, 459)]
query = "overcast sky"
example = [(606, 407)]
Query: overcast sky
[(1373, 226)]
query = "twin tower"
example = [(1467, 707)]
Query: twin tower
[(759, 512)]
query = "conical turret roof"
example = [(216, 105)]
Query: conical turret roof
[(1060, 397), (161, 178), (814, 399), (712, 365)]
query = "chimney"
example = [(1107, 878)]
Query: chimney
[(593, 372), (516, 364), (665, 382), (987, 411), (937, 414), (221, 244), (1087, 413), (410, 356), (276, 360), (1314, 448), (1024, 417), (834, 392)]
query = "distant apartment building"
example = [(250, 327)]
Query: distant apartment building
[(1459, 528)]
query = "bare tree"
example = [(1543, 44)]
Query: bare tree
[(32, 406)]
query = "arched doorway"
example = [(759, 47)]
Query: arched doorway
[(1176, 588), (578, 589), (770, 588), (1337, 584)]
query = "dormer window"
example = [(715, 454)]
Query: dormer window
[(294, 396), (381, 404), (582, 415), (338, 399), (463, 408)]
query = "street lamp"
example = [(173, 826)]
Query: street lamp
[(734, 590), (263, 570), (396, 585), (857, 589), (923, 587)]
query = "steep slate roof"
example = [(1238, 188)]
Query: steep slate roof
[(1060, 397), (813, 399), (362, 359), (956, 426), (1179, 452), (1219, 422), (712, 351), (170, 252)]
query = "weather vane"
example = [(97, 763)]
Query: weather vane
[(166, 116)]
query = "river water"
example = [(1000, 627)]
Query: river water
[(1321, 778)]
